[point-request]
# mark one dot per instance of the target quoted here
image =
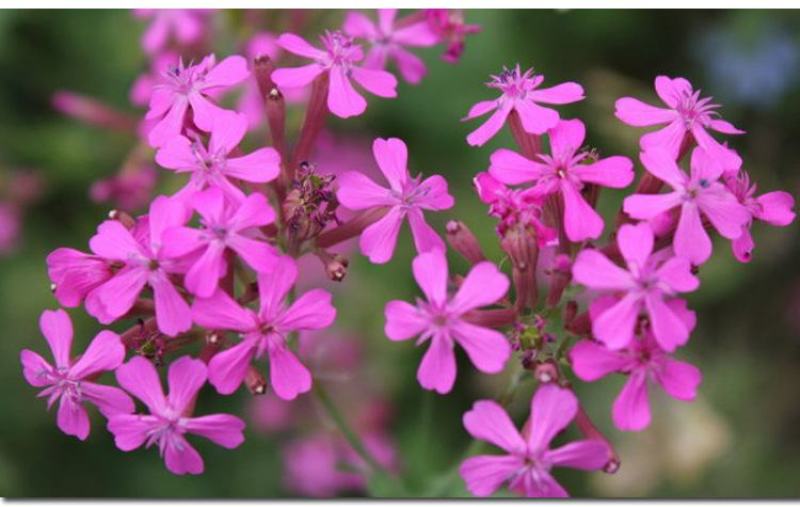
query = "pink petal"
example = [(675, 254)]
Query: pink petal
[(108, 399), (72, 418), (312, 310), (357, 191), (636, 244), (679, 379), (171, 125), (488, 421), (222, 429), (724, 127), (691, 239), (403, 321), (437, 371), (411, 67), (275, 285), (392, 158), (230, 71), (425, 238), (661, 164), (165, 213), (377, 82), (677, 274), (592, 361), (483, 286), (35, 368), (173, 314), (227, 369), (430, 272), (181, 458), (511, 168), (203, 277), (379, 239), (535, 119), (671, 90), (287, 375), (566, 138), (490, 127), (776, 208), (723, 210), (648, 206), (180, 241), (484, 475), (487, 349), (360, 26), (343, 100), (258, 255), (299, 46), (261, 166), (130, 430), (613, 172), (416, 34), (220, 311), (564, 93), (588, 454), (117, 296), (636, 113), (631, 410), (543, 485), (185, 379), (552, 409), (56, 327), (433, 194), (581, 221), (386, 19), (177, 154), (140, 378), (105, 353), (704, 166), (668, 329), (205, 112), (615, 326), (669, 138), (255, 211), (114, 241), (480, 109), (296, 77), (593, 269), (227, 132), (743, 246)]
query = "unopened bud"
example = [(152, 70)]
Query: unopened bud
[(122, 217), (546, 372), (463, 241), (53, 287), (521, 246), (255, 381), (335, 264)]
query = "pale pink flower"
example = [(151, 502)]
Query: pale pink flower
[(441, 320), (75, 274), (183, 88), (647, 285), (144, 264), (340, 59), (213, 166), (521, 93), (774, 208), (406, 197), (686, 114), (449, 26), (698, 195), (71, 381), (388, 42), (265, 332), (224, 226), (565, 171), (185, 25), (644, 362), (170, 417), (529, 460)]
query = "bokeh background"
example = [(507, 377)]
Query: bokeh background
[(741, 438)]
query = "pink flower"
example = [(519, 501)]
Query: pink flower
[(406, 197), (129, 189), (441, 319), (170, 417), (774, 208), (144, 263), (213, 166), (225, 226), (75, 274), (564, 171), (646, 285), (644, 362), (449, 27), (187, 87), (10, 225), (529, 460), (686, 115), (520, 93), (265, 332), (338, 59), (695, 194), (387, 42), (185, 24), (70, 381)]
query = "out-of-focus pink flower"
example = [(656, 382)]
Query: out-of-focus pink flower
[(170, 418), (265, 332), (128, 190), (529, 459), (686, 114), (647, 285), (388, 41), (450, 28), (521, 93), (564, 171), (645, 363), (144, 263), (71, 381), (9, 227), (774, 208), (91, 111), (183, 88), (406, 198), (212, 166), (75, 274), (186, 25), (700, 193), (339, 59), (225, 226), (440, 319), (269, 413)]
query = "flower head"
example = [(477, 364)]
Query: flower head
[(170, 417), (529, 460), (71, 381), (406, 197), (449, 26), (186, 25), (521, 93), (441, 320)]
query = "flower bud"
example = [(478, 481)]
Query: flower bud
[(255, 381), (463, 241)]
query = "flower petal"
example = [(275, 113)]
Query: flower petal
[(488, 421), (691, 239), (185, 379), (227, 369), (581, 221), (592, 361), (615, 326), (343, 100), (140, 378), (552, 409), (612, 172), (484, 285), (484, 475), (490, 127), (379, 239), (588, 454), (105, 353), (425, 237), (669, 330), (222, 429), (636, 113), (631, 410), (437, 371), (595, 270), (377, 82), (56, 327), (220, 311), (679, 379), (430, 272), (403, 320), (72, 418), (288, 376), (511, 168), (487, 349)]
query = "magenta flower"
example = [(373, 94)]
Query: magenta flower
[(774, 208), (186, 25), (266, 331), (686, 114), (71, 381), (529, 460), (388, 42), (75, 274), (213, 166), (187, 87), (441, 319), (225, 226), (644, 362), (406, 197), (339, 59), (700, 193), (450, 28), (144, 263), (645, 286), (521, 93), (564, 171), (170, 417)]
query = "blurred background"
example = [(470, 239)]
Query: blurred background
[(741, 438)]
